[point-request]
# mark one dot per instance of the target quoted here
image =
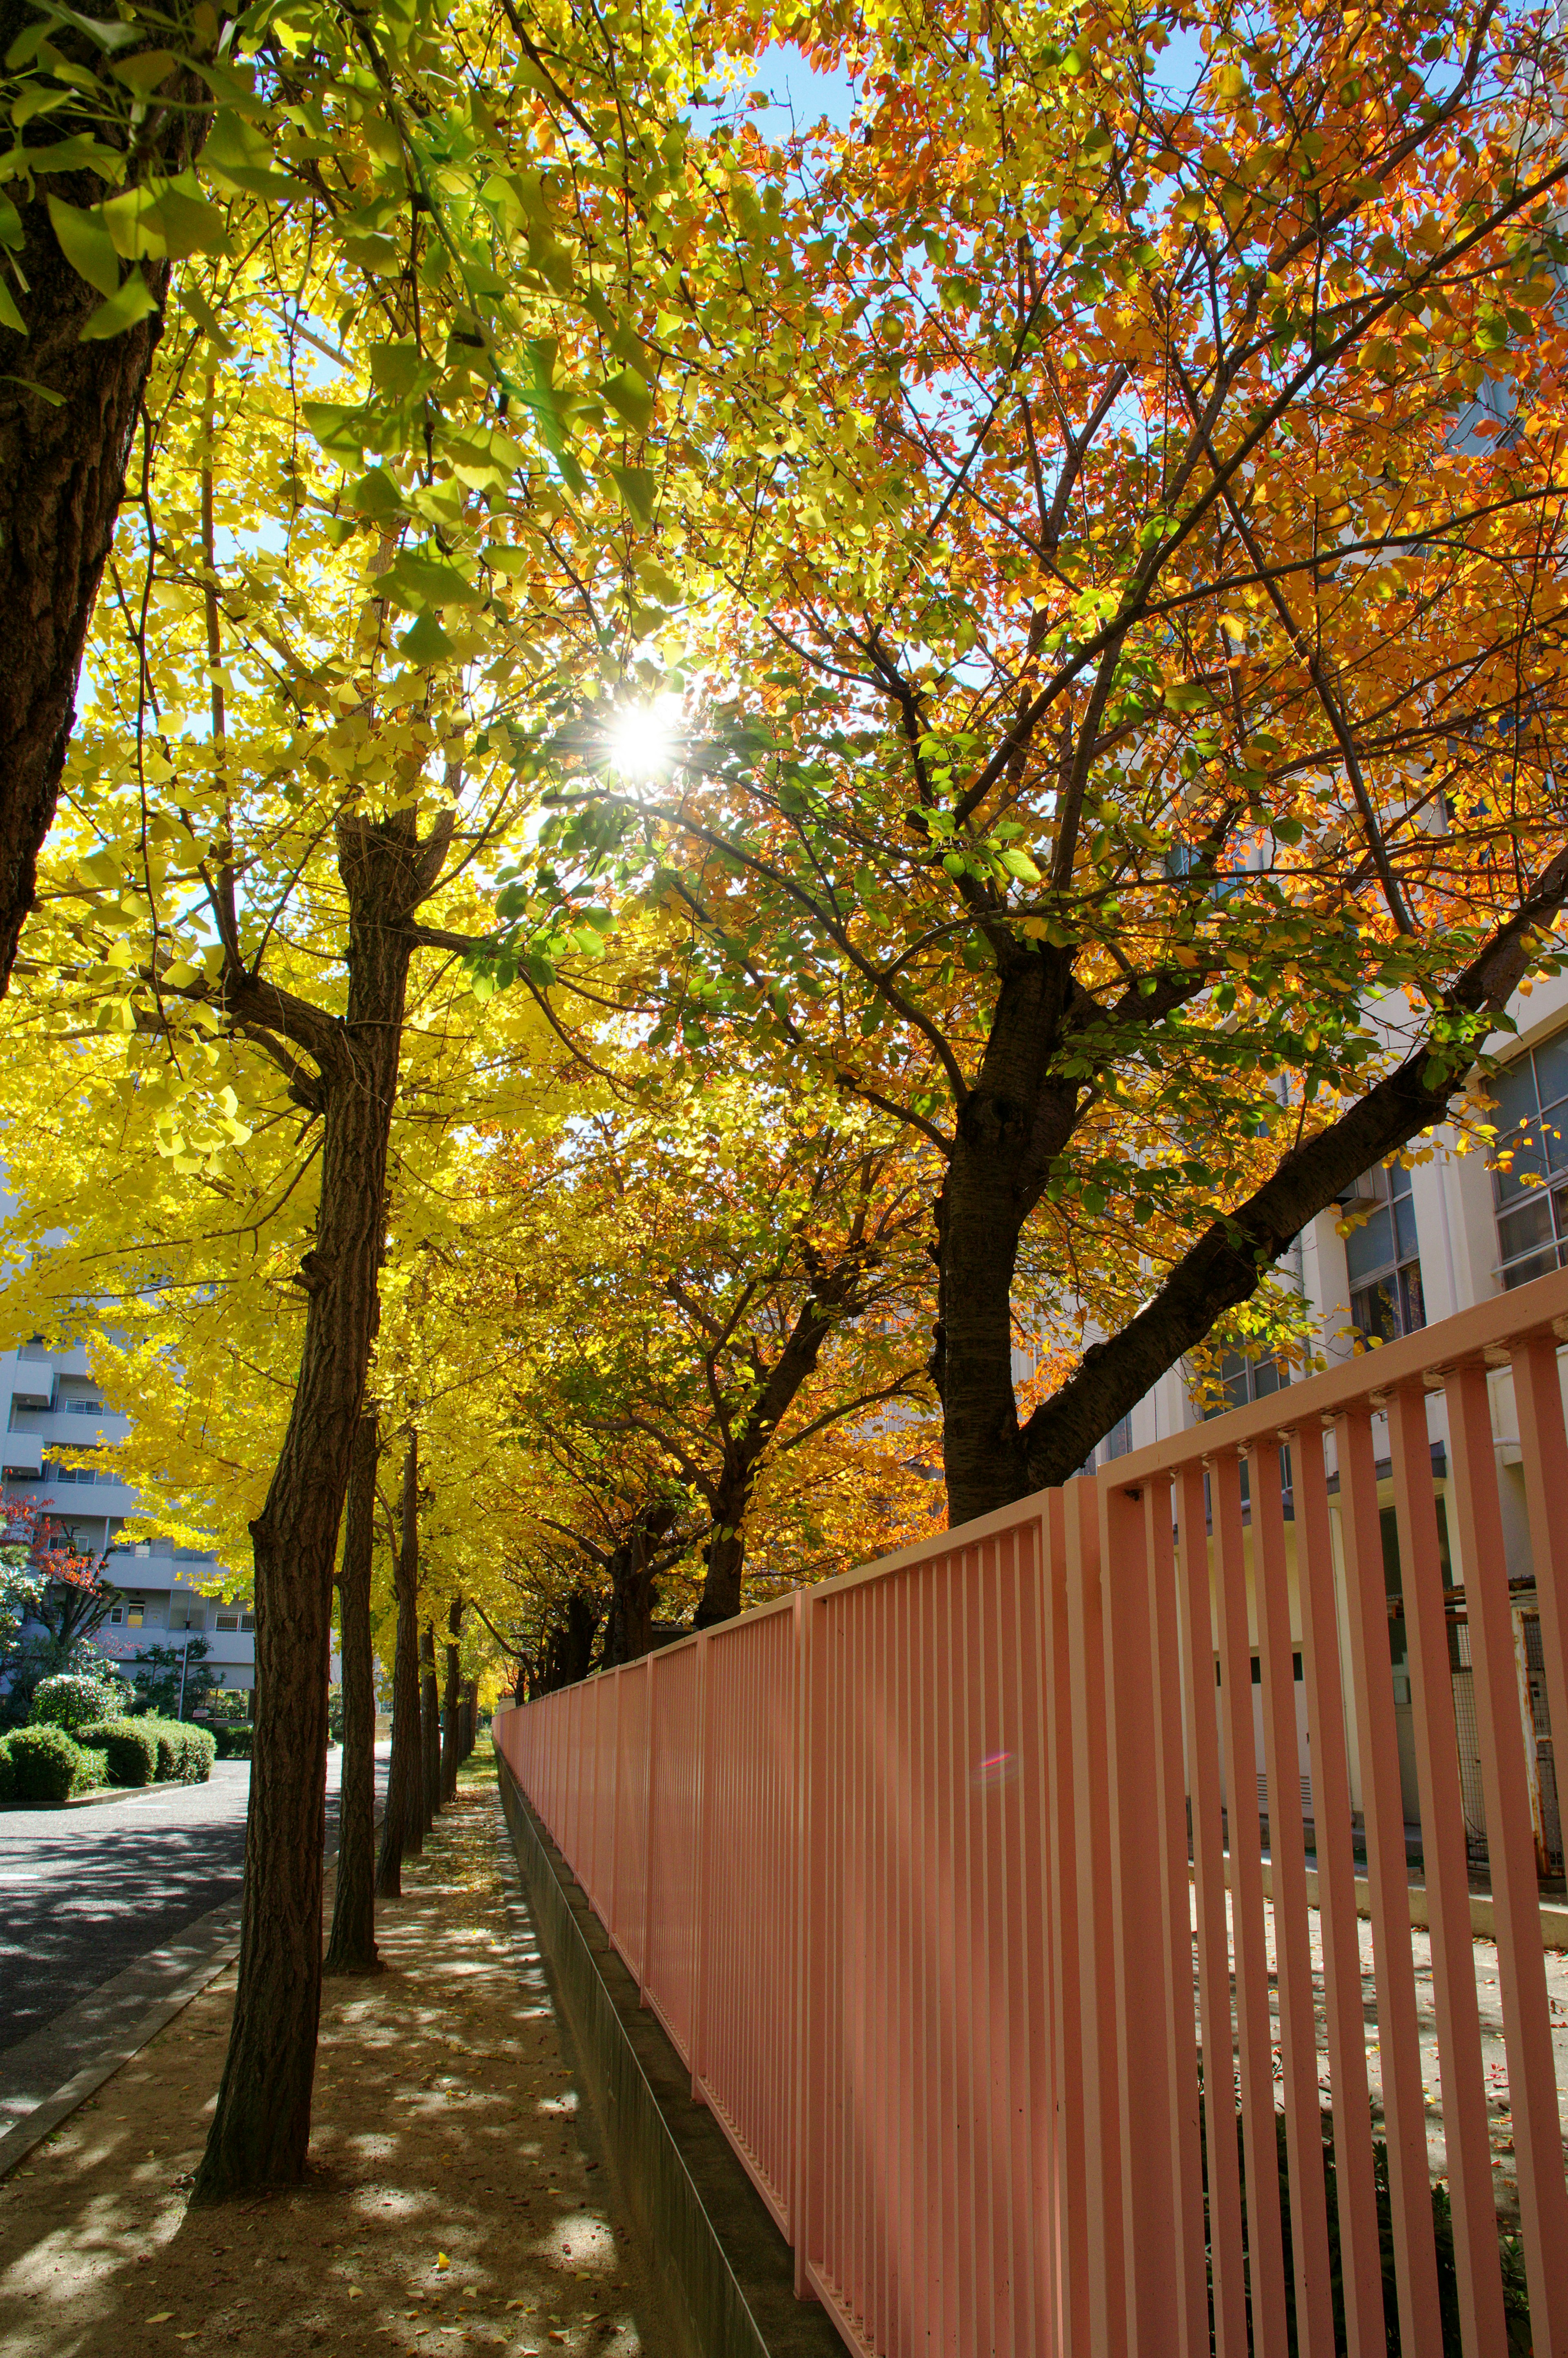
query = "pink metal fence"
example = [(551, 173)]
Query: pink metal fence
[(945, 1881)]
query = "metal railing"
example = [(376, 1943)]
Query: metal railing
[(925, 1871)]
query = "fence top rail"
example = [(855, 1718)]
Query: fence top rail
[(1487, 1332)]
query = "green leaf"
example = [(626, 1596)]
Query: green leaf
[(417, 582), (11, 318), (86, 245), (628, 397), (1019, 864), (110, 34), (10, 223), (188, 223), (80, 155), (237, 152), (376, 495), (44, 391), (198, 309), (339, 429), (639, 489), (145, 70), (131, 302), (398, 367), (425, 642)]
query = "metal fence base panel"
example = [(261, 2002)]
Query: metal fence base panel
[(726, 2269)]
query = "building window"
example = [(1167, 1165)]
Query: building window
[(1530, 1163), (133, 1617), (1118, 1440), (1382, 1256), (247, 1620), (1244, 1379), (225, 1621), (116, 1613)]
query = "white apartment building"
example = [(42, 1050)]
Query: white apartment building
[(48, 1398)]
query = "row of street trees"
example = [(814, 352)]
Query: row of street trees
[(719, 773)]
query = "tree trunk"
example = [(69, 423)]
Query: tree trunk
[(261, 2128), (431, 1702), (62, 463), (351, 1949), (470, 1718), (403, 1827), (567, 1652), (450, 1752), (631, 1587), (726, 1562)]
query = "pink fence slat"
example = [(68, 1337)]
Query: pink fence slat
[(1096, 1962), (1447, 1871), (1361, 2269), (1175, 1936), (1293, 1946), (1068, 2165), (1543, 1459), (747, 2061), (1265, 2241), (626, 1926), (1195, 1616), (1415, 2260), (1145, 2098), (1510, 1849), (670, 1973)]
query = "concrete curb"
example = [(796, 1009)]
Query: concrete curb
[(727, 2274), (45, 2116)]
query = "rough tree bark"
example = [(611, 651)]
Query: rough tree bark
[(450, 1739), (1020, 1116), (568, 1650), (261, 2128), (351, 1948), (403, 1827), (633, 1580), (430, 1708), (62, 463)]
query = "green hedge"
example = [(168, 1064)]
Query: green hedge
[(49, 1767), (7, 1774), (185, 1753), (129, 1746), (234, 1743), (75, 1702)]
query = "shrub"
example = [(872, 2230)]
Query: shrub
[(50, 1766), (185, 1754), (74, 1703), (129, 1746), (233, 1743), (7, 1774)]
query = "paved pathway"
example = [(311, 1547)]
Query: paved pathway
[(86, 1893)]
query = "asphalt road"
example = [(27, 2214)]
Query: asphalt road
[(86, 1892)]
